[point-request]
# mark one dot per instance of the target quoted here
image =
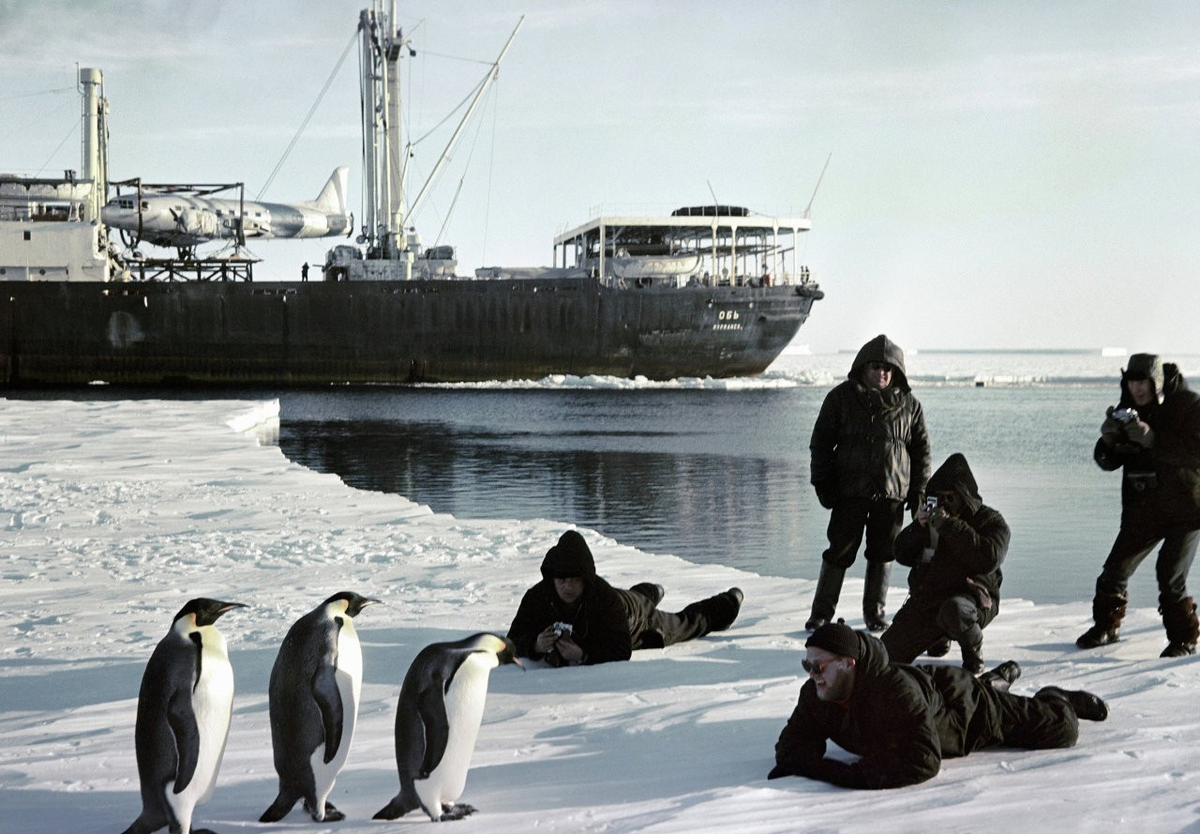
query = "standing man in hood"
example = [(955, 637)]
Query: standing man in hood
[(870, 458), (903, 720), (954, 549), (1153, 435), (575, 617)]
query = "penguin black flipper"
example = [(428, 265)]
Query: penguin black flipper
[(182, 720), (431, 705), (328, 697)]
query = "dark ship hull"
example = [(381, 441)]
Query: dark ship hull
[(221, 333)]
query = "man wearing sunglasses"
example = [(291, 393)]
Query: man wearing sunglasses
[(901, 721), (870, 458)]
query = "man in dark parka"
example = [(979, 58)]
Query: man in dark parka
[(870, 459), (955, 550), (606, 623), (901, 720), (1158, 452)]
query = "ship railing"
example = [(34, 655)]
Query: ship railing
[(802, 277)]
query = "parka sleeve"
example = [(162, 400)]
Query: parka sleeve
[(920, 462), (977, 550), (907, 751), (1112, 456), (607, 637), (822, 445), (911, 543), (530, 620), (801, 744)]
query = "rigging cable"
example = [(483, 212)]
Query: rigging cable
[(312, 110)]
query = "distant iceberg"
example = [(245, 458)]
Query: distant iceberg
[(1114, 351)]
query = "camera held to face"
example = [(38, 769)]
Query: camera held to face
[(931, 503)]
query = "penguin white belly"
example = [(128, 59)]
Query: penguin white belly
[(349, 683), (212, 703), (464, 709)]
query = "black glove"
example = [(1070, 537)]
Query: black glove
[(1140, 433), (781, 770), (1111, 430), (826, 494)]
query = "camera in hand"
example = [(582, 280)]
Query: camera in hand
[(1125, 415), (561, 629), (930, 503)]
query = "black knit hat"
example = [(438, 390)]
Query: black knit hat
[(570, 557), (836, 638)]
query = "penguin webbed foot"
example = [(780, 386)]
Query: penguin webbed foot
[(279, 809), (394, 809), (455, 811), (332, 814)]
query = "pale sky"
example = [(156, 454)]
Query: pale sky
[(1003, 175)]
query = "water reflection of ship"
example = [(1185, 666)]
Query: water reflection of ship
[(713, 291)]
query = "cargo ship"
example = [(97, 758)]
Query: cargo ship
[(702, 291)]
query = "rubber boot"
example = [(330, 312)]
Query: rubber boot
[(829, 589), (875, 595), (1107, 610), (971, 642), (1183, 627)]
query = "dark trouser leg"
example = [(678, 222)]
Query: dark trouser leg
[(1038, 723), (642, 618), (1173, 564), (914, 630), (959, 619), (884, 520), (716, 613), (1132, 545), (845, 532), (1178, 609)]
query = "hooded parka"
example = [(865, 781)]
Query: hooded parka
[(902, 721), (870, 443)]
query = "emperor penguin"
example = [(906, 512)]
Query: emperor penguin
[(314, 693), (437, 722), (183, 719)]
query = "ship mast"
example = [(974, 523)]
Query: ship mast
[(383, 173), (385, 162)]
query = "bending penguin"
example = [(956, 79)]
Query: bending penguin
[(314, 693), (183, 719), (437, 721)]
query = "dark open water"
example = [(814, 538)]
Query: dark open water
[(718, 472)]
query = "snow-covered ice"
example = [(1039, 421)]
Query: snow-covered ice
[(114, 513)]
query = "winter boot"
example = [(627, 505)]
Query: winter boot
[(1002, 676), (829, 589), (875, 595), (971, 642), (1086, 705), (1107, 610), (940, 648), (1183, 628), (650, 591)]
